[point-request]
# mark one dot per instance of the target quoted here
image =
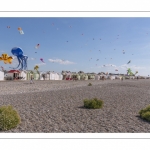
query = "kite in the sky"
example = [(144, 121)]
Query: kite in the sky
[(129, 62), (2, 68), (97, 59), (6, 58), (37, 46), (22, 59), (116, 70), (35, 52), (42, 60), (8, 26), (20, 30), (36, 67)]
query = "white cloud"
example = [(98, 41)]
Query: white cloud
[(134, 67), (60, 61), (2, 51), (40, 64), (31, 58), (107, 65)]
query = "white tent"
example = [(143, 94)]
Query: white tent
[(1, 75)]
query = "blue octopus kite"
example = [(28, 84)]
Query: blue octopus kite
[(22, 59)]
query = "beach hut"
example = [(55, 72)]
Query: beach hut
[(45, 75), (97, 77), (12, 74), (35, 74), (23, 75), (56, 76), (42, 75), (51, 75), (60, 76), (1, 75), (112, 77)]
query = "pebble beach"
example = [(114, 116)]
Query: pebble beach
[(57, 106)]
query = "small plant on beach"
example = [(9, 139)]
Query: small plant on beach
[(90, 84), (9, 118), (145, 113), (93, 103)]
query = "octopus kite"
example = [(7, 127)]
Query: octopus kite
[(22, 59), (7, 59)]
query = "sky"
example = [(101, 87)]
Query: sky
[(97, 44)]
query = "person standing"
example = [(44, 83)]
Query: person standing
[(31, 81)]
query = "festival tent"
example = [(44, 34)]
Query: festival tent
[(1, 75)]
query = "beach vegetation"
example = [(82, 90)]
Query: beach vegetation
[(90, 84), (93, 103), (145, 113), (9, 118)]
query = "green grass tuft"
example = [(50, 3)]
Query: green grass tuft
[(90, 84), (93, 103), (145, 113), (9, 118)]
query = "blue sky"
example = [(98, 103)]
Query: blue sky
[(76, 44)]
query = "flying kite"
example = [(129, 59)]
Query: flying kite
[(37, 46), (116, 70), (8, 26), (22, 59), (36, 68), (97, 59), (129, 62), (42, 60), (6, 58), (2, 68), (20, 30)]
